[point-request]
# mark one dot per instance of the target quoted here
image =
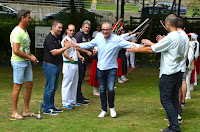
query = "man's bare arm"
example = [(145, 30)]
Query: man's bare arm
[(21, 54), (67, 45), (141, 50)]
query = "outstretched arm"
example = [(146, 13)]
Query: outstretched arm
[(141, 49)]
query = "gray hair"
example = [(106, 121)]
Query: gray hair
[(86, 22), (107, 23), (22, 13)]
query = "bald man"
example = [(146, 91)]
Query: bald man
[(172, 49), (70, 71)]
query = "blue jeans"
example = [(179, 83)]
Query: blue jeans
[(169, 89), (106, 80), (51, 72)]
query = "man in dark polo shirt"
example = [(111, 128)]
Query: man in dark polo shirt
[(51, 67), (81, 37)]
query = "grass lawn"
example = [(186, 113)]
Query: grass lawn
[(136, 102)]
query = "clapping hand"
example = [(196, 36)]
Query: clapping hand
[(159, 37), (67, 44)]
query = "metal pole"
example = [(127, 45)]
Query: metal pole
[(179, 8), (117, 17), (122, 9)]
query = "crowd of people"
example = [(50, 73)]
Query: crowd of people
[(179, 65)]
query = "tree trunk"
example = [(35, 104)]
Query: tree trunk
[(117, 14), (179, 8), (122, 9), (73, 12)]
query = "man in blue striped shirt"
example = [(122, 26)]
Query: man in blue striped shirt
[(108, 45)]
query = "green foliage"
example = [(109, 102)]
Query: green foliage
[(7, 26), (196, 11)]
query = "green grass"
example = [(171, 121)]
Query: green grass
[(136, 102)]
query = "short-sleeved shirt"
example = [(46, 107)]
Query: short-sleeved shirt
[(82, 38), (51, 43), (71, 51), (18, 35), (172, 48)]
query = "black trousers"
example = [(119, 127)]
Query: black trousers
[(169, 97), (81, 72)]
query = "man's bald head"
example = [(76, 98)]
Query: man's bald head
[(172, 20), (70, 30), (71, 26)]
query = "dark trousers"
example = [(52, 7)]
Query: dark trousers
[(81, 72), (106, 80), (169, 97)]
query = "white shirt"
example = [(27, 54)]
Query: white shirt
[(128, 37), (185, 37), (95, 33), (172, 48), (197, 49), (71, 51), (191, 56)]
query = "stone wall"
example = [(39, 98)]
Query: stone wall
[(38, 11)]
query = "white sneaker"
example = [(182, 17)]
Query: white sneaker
[(125, 79), (102, 114), (96, 92), (120, 80), (188, 97), (113, 113), (133, 66)]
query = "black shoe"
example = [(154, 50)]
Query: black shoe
[(166, 130), (180, 120), (84, 103), (85, 99), (183, 105), (57, 110)]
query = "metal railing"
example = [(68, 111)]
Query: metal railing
[(101, 4)]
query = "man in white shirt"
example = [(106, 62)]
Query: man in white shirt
[(172, 48), (183, 88), (190, 67), (195, 71), (70, 71), (95, 32)]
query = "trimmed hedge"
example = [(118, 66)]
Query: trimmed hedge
[(7, 26)]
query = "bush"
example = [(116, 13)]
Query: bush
[(8, 25)]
